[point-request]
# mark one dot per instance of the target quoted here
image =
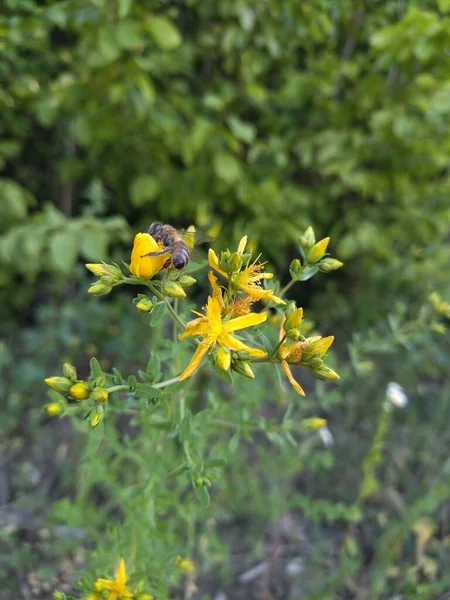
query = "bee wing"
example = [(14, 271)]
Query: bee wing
[(166, 251), (192, 238)]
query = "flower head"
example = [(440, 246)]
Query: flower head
[(216, 328), (248, 276), (142, 265), (117, 587)]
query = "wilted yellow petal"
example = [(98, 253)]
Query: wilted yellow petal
[(259, 293), (202, 349), (297, 387)]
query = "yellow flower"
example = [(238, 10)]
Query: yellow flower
[(142, 265), (117, 587), (185, 564), (215, 329), (248, 279)]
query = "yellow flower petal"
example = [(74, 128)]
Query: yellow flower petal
[(142, 265), (234, 344), (297, 387), (318, 249), (244, 321), (195, 327), (216, 291), (121, 575), (242, 245), (202, 349)]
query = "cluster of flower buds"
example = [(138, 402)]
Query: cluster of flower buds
[(238, 361), (313, 257), (108, 276), (69, 386)]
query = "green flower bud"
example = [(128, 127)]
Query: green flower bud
[(96, 417), (223, 260), (295, 268), (80, 391), (234, 263), (99, 381), (70, 371), (326, 372), (105, 270), (57, 595), (173, 289), (308, 239), (99, 289), (293, 334), (329, 264), (186, 281), (60, 384), (243, 368), (198, 482), (100, 394), (243, 355)]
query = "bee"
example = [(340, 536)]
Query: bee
[(178, 244)]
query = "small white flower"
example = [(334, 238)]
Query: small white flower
[(396, 395), (327, 436)]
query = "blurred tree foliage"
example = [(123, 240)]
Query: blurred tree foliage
[(239, 115)]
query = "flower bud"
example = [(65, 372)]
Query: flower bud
[(100, 394), (144, 596), (99, 381), (293, 334), (80, 391), (144, 305), (53, 409), (99, 289), (307, 240), (60, 384), (70, 371), (295, 268), (96, 416), (234, 263), (222, 358), (330, 264), (173, 289), (314, 423), (198, 482), (105, 270), (223, 260), (243, 355), (57, 595), (186, 281), (318, 347), (294, 319), (185, 564), (325, 372), (243, 368), (318, 250)]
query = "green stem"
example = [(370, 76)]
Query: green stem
[(117, 388), (169, 306), (277, 347), (287, 287)]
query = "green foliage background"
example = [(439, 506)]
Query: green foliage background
[(243, 117)]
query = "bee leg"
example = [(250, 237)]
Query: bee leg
[(154, 254)]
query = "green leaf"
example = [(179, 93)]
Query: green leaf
[(202, 495), (307, 273), (95, 368), (164, 33), (226, 167), (147, 391), (153, 366), (157, 314), (144, 189), (246, 132), (63, 251)]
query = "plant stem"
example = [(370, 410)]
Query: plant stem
[(287, 287), (169, 306)]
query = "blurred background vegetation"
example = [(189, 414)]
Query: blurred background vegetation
[(243, 117)]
